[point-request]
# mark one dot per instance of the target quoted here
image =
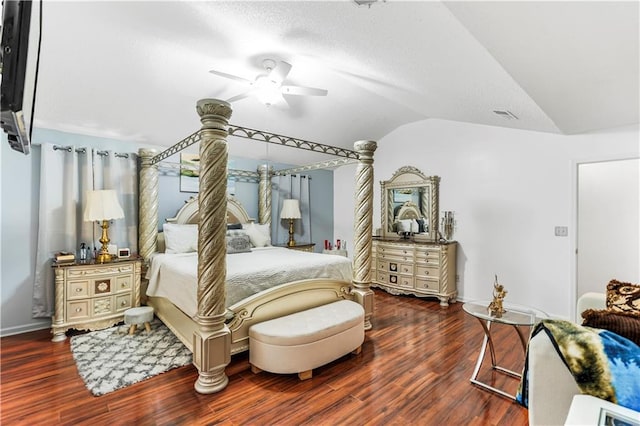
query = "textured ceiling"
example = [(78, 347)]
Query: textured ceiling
[(134, 70)]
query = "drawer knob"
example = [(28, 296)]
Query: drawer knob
[(123, 285), (78, 290), (124, 303), (78, 309), (426, 272)]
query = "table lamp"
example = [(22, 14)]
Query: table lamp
[(103, 205), (290, 211)]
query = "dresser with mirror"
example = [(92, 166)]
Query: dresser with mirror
[(410, 257)]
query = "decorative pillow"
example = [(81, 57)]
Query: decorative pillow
[(624, 324), (236, 232), (260, 235), (180, 238), (234, 226), (623, 297), (238, 244)]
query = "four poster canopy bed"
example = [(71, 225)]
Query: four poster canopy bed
[(211, 317)]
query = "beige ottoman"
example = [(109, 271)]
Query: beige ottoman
[(139, 315), (300, 342)]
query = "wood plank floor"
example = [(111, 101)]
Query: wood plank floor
[(414, 369)]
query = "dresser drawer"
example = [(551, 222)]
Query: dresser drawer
[(395, 257), (382, 278), (430, 286), (102, 286), (402, 268), (401, 280), (78, 310), (102, 306), (395, 251), (123, 302), (77, 289), (97, 270), (428, 256), (426, 271), (124, 283)]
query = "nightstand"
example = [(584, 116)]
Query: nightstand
[(300, 247), (338, 252), (93, 296)]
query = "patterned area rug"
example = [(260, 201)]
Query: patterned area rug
[(111, 359)]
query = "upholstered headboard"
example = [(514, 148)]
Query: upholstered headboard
[(408, 210), (188, 214)]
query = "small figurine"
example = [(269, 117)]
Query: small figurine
[(499, 293)]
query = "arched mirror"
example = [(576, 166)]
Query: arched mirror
[(410, 205)]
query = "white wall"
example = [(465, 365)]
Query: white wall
[(508, 188)]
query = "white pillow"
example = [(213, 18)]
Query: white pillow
[(260, 235), (180, 238)]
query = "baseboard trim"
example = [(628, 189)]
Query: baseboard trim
[(20, 329)]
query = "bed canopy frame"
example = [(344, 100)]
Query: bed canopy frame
[(210, 337)]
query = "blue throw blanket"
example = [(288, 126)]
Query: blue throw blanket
[(604, 364)]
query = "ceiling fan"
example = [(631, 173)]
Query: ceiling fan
[(268, 87)]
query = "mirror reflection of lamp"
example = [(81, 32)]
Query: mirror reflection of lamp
[(103, 206), (291, 211)]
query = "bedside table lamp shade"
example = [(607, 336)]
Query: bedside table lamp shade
[(290, 211), (103, 206)]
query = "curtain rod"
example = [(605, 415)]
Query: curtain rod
[(69, 148)]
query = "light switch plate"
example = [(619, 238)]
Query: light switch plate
[(561, 231)]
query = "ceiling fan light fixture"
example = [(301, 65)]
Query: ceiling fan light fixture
[(267, 91)]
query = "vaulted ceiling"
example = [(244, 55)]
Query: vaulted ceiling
[(134, 70)]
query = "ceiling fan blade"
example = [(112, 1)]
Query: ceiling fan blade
[(303, 91), (230, 76), (238, 97), (280, 72)]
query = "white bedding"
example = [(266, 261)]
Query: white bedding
[(174, 276)]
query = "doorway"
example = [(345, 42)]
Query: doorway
[(608, 224)]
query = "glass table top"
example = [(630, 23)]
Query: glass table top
[(514, 315)]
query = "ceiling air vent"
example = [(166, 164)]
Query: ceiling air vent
[(365, 2), (505, 114)]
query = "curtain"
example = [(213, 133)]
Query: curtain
[(296, 187), (118, 171), (66, 174)]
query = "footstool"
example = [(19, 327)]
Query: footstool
[(302, 341), (139, 315)]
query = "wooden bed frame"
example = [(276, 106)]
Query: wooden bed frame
[(208, 335)]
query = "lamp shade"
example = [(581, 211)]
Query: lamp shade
[(290, 210), (102, 205)]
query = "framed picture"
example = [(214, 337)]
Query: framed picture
[(189, 172)]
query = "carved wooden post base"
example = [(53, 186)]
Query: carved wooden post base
[(211, 354), (365, 297)]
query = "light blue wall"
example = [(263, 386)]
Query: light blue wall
[(20, 183)]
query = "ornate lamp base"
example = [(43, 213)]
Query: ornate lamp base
[(291, 242)]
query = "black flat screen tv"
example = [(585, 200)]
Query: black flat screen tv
[(16, 19)]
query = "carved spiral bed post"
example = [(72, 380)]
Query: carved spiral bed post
[(264, 193), (147, 211), (363, 228), (212, 341)]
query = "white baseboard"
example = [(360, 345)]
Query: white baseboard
[(19, 329)]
